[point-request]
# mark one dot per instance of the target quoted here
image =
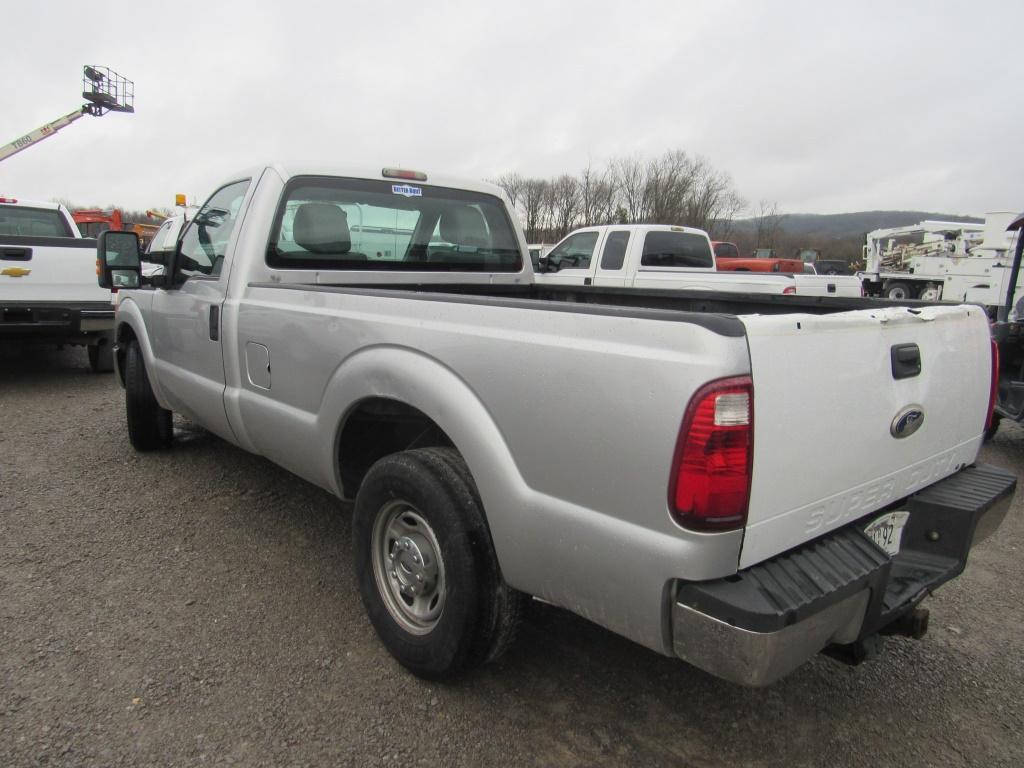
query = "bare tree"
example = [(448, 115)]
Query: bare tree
[(630, 179), (534, 193), (767, 224), (673, 188), (565, 192), (513, 185)]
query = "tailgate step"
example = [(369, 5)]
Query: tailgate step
[(945, 521)]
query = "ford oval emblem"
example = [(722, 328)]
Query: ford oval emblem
[(907, 422)]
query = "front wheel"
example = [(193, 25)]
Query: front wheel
[(426, 566), (149, 425)]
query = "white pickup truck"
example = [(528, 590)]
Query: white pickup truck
[(664, 257), (638, 458), (48, 290)]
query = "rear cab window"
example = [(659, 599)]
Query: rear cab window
[(726, 250), (675, 250), (23, 221), (330, 223)]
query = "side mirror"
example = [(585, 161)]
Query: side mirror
[(117, 260)]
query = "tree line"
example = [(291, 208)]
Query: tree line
[(672, 188)]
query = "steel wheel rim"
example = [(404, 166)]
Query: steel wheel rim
[(408, 567)]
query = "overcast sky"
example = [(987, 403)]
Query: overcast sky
[(824, 108)]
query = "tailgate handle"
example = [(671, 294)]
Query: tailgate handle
[(906, 360), (16, 254)]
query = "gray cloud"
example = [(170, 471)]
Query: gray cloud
[(821, 107)]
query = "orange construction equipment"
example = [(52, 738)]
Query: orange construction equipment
[(92, 221)]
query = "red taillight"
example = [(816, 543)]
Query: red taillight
[(789, 290), (710, 485), (994, 387), (7, 200)]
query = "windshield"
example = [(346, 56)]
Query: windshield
[(335, 223), (32, 222)]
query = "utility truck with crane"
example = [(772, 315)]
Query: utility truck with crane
[(940, 261)]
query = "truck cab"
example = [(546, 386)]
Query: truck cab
[(648, 256)]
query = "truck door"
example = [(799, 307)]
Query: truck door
[(611, 267), (186, 318)]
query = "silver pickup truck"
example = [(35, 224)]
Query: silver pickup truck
[(637, 456)]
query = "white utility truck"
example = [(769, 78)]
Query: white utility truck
[(664, 257), (48, 290), (941, 261), (638, 457)]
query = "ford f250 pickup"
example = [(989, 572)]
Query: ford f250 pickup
[(48, 291), (669, 257), (635, 456)]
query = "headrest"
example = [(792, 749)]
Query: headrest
[(321, 228), (464, 225)]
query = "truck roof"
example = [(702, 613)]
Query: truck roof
[(641, 228), (8, 200), (375, 173)]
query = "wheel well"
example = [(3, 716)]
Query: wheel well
[(125, 334), (377, 427)]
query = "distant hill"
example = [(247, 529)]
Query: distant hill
[(839, 226), (836, 235)]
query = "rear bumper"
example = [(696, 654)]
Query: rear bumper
[(68, 323), (762, 623)]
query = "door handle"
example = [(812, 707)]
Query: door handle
[(214, 322), (906, 360)]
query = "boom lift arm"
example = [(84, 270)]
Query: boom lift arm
[(103, 90)]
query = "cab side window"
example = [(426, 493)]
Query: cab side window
[(574, 252), (615, 250), (205, 242)]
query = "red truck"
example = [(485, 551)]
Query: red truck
[(728, 259)]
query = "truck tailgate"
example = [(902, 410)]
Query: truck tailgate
[(827, 398), (49, 270)]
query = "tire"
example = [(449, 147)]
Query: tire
[(149, 425), (899, 291), (426, 567), (991, 431), (101, 355)]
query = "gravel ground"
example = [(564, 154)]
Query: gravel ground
[(197, 607)]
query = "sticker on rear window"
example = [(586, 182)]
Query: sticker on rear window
[(406, 190)]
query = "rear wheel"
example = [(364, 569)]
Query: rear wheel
[(426, 566), (899, 291), (149, 425)]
